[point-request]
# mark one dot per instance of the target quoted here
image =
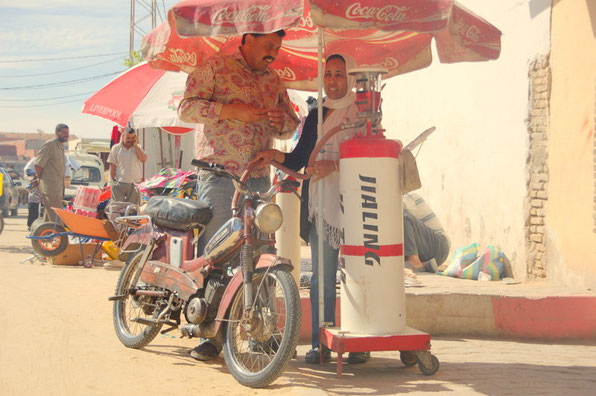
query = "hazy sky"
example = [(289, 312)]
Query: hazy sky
[(33, 31)]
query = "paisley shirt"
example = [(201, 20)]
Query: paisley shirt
[(225, 79)]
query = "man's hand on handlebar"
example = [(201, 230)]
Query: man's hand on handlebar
[(265, 157)]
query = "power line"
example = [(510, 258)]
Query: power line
[(62, 83), (61, 71), (39, 105), (64, 58), (165, 12), (54, 98)]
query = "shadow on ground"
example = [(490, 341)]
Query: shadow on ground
[(17, 249), (383, 376)]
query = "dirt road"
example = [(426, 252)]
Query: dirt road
[(57, 338)]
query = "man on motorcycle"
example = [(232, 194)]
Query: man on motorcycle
[(243, 105)]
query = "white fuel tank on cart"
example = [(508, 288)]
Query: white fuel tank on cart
[(372, 287)]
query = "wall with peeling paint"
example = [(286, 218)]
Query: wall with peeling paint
[(473, 168)]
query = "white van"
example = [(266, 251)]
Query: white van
[(90, 173)]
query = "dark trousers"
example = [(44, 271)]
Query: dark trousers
[(33, 213), (423, 241)]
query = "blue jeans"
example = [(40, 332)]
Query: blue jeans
[(330, 257), (217, 192)]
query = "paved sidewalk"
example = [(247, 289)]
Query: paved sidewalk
[(468, 367)]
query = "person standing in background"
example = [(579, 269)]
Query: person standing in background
[(126, 167), (50, 167)]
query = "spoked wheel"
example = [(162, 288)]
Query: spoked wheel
[(127, 310), (49, 247), (258, 349)]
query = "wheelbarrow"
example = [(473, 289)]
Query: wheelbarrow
[(49, 239)]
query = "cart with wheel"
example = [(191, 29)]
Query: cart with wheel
[(49, 239)]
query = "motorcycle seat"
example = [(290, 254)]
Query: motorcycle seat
[(178, 213)]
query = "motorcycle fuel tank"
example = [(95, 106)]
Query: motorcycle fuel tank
[(226, 237)]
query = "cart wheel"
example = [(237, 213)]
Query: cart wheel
[(36, 223), (408, 358), (429, 370), (51, 246)]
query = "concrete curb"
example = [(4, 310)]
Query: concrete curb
[(472, 315)]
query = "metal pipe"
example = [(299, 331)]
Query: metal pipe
[(131, 45), (319, 209)]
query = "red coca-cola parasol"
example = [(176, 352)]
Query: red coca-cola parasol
[(394, 34)]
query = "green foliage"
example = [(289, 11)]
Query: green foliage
[(135, 59)]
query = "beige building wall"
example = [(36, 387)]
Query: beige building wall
[(571, 207), (473, 168)]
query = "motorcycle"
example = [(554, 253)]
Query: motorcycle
[(239, 291)]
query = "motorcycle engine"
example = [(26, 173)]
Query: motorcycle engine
[(196, 310), (204, 309)]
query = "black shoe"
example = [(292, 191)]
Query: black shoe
[(205, 351), (358, 357), (314, 356)]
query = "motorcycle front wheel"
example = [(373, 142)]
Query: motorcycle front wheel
[(257, 351), (130, 308)]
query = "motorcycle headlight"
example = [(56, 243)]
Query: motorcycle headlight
[(268, 217)]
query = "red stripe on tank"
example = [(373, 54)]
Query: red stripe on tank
[(383, 251)]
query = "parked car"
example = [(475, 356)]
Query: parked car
[(90, 173), (9, 201)]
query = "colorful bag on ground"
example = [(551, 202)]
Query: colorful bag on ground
[(490, 262), (464, 263), (461, 259)]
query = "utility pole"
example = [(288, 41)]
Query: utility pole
[(141, 13)]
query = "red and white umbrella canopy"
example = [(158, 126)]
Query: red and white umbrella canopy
[(142, 96), (146, 97), (394, 34)]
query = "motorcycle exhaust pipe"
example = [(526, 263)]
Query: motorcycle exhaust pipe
[(190, 330)]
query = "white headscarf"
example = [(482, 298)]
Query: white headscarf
[(344, 111), (350, 97)]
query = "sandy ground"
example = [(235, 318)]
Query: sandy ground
[(57, 338)]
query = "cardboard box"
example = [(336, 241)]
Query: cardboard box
[(72, 254)]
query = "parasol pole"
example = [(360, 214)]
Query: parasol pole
[(319, 225)]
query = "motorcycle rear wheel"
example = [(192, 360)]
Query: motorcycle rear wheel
[(133, 334), (256, 357)]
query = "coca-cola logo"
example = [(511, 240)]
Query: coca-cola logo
[(466, 31), (286, 73), (389, 13), (388, 63), (306, 23), (254, 13), (178, 56)]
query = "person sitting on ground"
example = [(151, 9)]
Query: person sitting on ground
[(425, 244)]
